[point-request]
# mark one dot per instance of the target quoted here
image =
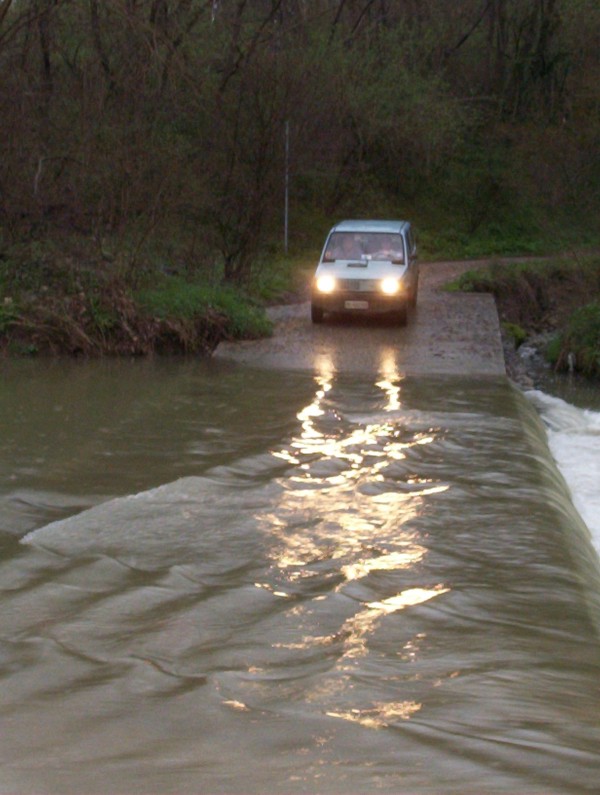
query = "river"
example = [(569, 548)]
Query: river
[(224, 579)]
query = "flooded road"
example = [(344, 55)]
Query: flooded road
[(224, 579)]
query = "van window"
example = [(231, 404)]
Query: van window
[(365, 245)]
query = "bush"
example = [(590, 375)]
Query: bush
[(515, 332), (580, 342), (553, 348)]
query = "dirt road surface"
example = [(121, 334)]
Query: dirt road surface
[(448, 333)]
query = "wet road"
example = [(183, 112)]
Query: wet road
[(449, 333)]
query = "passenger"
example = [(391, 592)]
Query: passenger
[(344, 247), (387, 247), (379, 246)]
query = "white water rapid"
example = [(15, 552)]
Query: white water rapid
[(574, 440)]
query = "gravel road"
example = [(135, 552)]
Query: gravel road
[(448, 333)]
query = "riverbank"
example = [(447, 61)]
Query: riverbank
[(92, 313), (92, 317), (549, 309)]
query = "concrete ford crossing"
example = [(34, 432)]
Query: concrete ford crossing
[(367, 267)]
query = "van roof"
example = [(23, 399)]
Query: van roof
[(371, 226)]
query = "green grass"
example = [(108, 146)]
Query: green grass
[(174, 297)]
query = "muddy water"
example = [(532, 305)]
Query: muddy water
[(221, 579)]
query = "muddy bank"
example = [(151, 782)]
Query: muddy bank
[(448, 333)]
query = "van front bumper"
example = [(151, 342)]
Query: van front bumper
[(358, 302)]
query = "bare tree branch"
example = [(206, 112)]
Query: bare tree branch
[(471, 30), (4, 7)]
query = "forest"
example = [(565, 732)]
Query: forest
[(209, 139)]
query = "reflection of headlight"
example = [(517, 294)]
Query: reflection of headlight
[(390, 286), (326, 284)]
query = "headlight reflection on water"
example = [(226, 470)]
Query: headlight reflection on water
[(342, 515), (342, 494), (390, 380), (380, 715)]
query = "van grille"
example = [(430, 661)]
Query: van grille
[(358, 285)]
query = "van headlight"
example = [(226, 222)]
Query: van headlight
[(390, 286), (325, 284)]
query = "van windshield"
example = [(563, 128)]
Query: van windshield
[(365, 245)]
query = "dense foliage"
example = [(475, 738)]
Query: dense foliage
[(163, 122), (151, 136)]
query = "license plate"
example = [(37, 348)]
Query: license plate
[(356, 304)]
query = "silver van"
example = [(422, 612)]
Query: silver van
[(367, 267)]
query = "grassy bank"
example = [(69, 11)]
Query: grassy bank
[(557, 300), (51, 305)]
